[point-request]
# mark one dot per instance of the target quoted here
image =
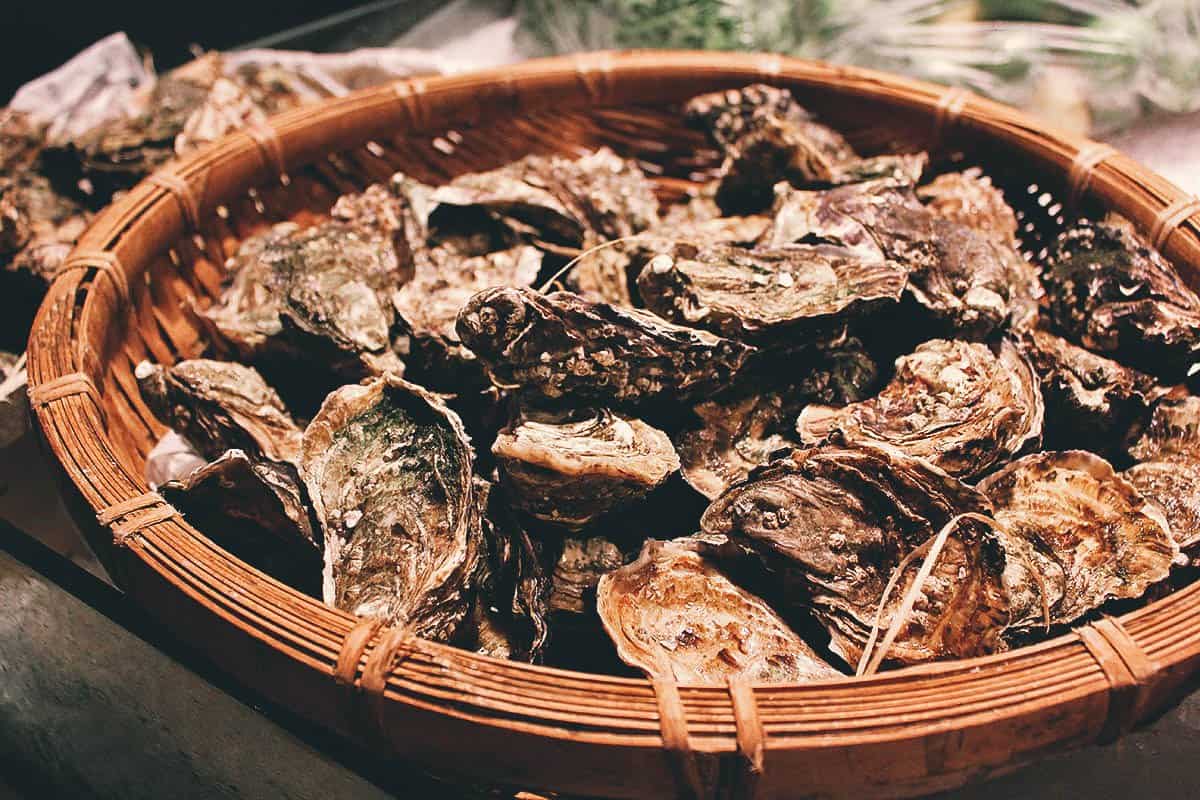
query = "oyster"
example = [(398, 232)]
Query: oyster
[(514, 589), (427, 306), (560, 345), (580, 565), (572, 468), (389, 471), (737, 291), (1173, 433), (1089, 398), (673, 614), (316, 295), (219, 406), (117, 154), (740, 429), (848, 518), (1113, 295), (572, 203), (1173, 487), (1098, 535), (953, 403), (965, 280), (258, 511), (767, 137), (969, 198), (38, 225)]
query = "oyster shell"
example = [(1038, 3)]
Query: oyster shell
[(577, 571), (1173, 487), (982, 584), (572, 468), (1098, 535), (514, 587), (573, 203), (258, 511), (316, 295), (38, 225), (220, 406), (965, 281), (1089, 399), (1173, 433), (672, 614), (741, 428), (970, 199), (1113, 295), (767, 137), (560, 345), (953, 403), (389, 471), (847, 518), (737, 291)]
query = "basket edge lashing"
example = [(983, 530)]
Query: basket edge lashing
[(1130, 673)]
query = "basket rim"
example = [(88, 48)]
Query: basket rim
[(544, 701)]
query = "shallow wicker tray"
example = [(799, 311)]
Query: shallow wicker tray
[(128, 294)]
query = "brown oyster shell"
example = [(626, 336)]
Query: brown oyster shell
[(572, 468), (953, 403), (970, 199), (675, 616), (1089, 399), (1173, 487), (1112, 294), (847, 518), (559, 345), (389, 471), (738, 291), (1101, 538), (258, 511), (219, 406), (1173, 432)]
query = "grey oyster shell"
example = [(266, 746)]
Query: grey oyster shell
[(1112, 294), (1089, 399), (953, 403), (315, 295), (559, 345), (743, 292), (581, 563), (220, 406), (38, 225), (847, 518), (389, 471), (674, 615), (258, 511), (1173, 432), (572, 468), (1097, 536)]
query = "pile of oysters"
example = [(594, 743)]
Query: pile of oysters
[(824, 417)]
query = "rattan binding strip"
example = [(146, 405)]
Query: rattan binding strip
[(106, 262), (72, 383), (410, 94), (949, 108), (393, 647), (672, 723), (1127, 668), (189, 206), (1170, 218), (345, 671), (751, 738), (595, 74), (267, 140), (131, 516), (1082, 167)]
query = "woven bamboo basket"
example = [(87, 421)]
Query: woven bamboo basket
[(128, 293)]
